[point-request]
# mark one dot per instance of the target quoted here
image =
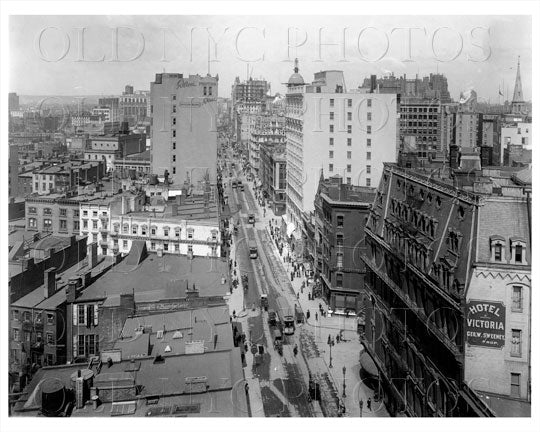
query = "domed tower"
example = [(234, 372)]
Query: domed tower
[(296, 79)]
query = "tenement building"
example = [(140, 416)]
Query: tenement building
[(448, 291)]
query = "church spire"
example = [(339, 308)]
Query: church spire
[(518, 92)]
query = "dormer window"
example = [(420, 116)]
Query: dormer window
[(518, 249), (497, 246)]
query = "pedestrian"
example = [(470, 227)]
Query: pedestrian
[(308, 314), (337, 338), (297, 296), (369, 404), (361, 406), (316, 317), (234, 314), (295, 350), (246, 386)]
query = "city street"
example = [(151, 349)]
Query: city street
[(269, 274)]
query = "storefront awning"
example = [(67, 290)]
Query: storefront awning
[(367, 363)]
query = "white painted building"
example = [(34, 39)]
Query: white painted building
[(332, 130)]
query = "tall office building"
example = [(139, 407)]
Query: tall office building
[(184, 128), (13, 102), (330, 129)]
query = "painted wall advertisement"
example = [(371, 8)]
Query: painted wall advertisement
[(485, 323)]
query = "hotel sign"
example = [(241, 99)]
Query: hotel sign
[(485, 323)]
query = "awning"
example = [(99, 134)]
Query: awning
[(367, 363)]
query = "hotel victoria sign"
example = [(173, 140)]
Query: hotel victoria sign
[(485, 323)]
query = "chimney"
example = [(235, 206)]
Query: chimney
[(71, 292), (87, 278), (50, 282), (127, 303), (92, 255)]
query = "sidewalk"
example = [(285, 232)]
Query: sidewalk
[(344, 354)]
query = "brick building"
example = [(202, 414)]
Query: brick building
[(341, 211)]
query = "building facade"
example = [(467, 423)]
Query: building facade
[(341, 211), (356, 132), (184, 128), (273, 175)]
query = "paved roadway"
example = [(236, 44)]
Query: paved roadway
[(283, 379)]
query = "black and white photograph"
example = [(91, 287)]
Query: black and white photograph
[(222, 210)]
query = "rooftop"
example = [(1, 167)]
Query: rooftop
[(166, 277)]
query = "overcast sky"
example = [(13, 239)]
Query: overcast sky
[(52, 55)]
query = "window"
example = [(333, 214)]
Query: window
[(498, 252), (517, 299), (174, 158), (47, 224), (368, 182), (124, 244), (209, 91), (32, 210), (174, 146), (174, 133), (165, 246), (349, 168), (368, 155), (166, 232), (125, 228), (368, 143), (176, 247), (339, 279), (349, 103), (85, 213), (174, 108), (177, 232), (515, 390), (47, 211), (349, 129), (349, 116), (332, 115), (153, 245), (63, 225), (368, 130), (16, 335), (94, 213), (174, 121), (32, 223), (349, 155), (519, 255), (143, 230), (190, 248), (134, 229), (50, 339), (153, 231), (369, 116), (190, 233), (331, 154), (81, 313), (331, 167), (80, 346), (174, 170), (94, 224), (369, 103), (50, 318), (331, 128), (349, 142), (340, 221), (331, 141), (515, 348), (368, 169), (331, 103), (349, 181)]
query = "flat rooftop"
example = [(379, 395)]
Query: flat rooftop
[(160, 278)]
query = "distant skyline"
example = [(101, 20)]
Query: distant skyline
[(48, 55)]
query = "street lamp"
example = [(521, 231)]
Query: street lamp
[(330, 343), (344, 371)]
